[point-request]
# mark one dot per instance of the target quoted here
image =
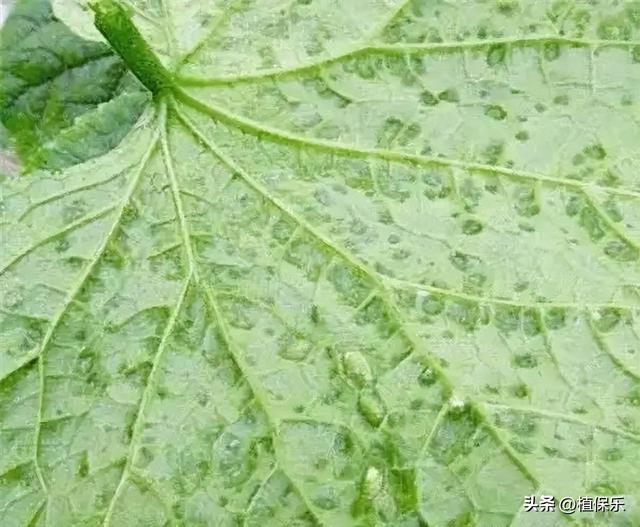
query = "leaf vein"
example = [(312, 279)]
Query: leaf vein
[(363, 268), (257, 129)]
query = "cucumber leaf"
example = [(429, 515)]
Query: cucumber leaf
[(365, 263)]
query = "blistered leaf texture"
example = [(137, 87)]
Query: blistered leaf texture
[(369, 263)]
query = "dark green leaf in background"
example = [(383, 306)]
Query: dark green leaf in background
[(63, 99)]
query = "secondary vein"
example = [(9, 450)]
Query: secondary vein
[(71, 298), (387, 300), (256, 128)]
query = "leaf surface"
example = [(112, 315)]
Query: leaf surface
[(364, 263)]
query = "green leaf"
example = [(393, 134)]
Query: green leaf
[(366, 264), (63, 99)]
